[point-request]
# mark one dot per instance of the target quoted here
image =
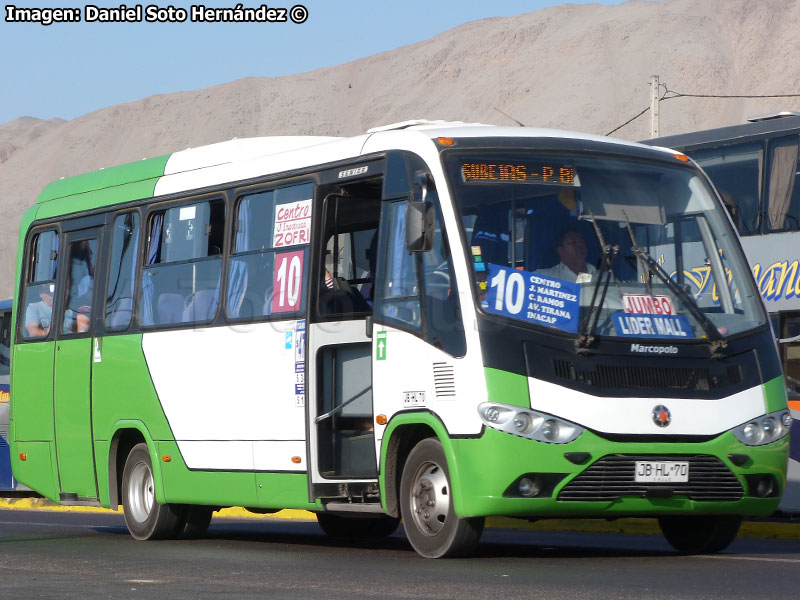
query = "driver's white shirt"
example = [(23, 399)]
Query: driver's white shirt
[(563, 272)]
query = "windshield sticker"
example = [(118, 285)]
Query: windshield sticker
[(654, 326), (642, 304), (533, 298), (292, 224)]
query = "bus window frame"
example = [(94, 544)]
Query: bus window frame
[(329, 179), (767, 159), (97, 232), (150, 209), (24, 284), (112, 216), (236, 195)]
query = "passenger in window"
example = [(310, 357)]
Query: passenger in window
[(81, 285), (39, 315), (571, 249)]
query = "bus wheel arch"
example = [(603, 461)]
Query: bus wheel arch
[(121, 445), (401, 442)]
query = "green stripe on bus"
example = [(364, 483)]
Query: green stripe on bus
[(140, 171), (508, 388), (775, 395)]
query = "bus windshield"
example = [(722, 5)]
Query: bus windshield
[(602, 246)]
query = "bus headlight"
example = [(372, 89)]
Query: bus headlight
[(523, 422), (550, 430), (527, 423), (765, 429), (494, 414)]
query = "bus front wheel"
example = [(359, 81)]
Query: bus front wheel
[(145, 517), (426, 505), (700, 534)]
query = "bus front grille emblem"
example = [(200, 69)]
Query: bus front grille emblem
[(661, 416)]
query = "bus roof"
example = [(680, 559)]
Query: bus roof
[(138, 179), (733, 133)]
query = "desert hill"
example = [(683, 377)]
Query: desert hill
[(584, 68)]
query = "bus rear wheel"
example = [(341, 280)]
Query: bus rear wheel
[(700, 534), (337, 526), (426, 505), (145, 517), (196, 520)]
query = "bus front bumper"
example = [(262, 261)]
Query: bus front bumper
[(502, 474)]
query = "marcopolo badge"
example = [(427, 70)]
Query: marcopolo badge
[(661, 416)]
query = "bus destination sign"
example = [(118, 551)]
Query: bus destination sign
[(518, 172)]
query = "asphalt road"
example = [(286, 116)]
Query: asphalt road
[(79, 555)]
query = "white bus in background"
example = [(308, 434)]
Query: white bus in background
[(756, 168)]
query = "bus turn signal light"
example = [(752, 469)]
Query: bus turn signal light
[(23, 456), (445, 141), (682, 157), (166, 458), (297, 460), (381, 420)]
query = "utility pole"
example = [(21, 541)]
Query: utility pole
[(654, 106)]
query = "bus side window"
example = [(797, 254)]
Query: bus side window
[(352, 214), (399, 290), (119, 294), (443, 325), (81, 261), (40, 285), (5, 342), (736, 173), (783, 209), (181, 277), (270, 253)]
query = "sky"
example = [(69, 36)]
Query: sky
[(69, 69)]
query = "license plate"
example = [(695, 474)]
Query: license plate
[(661, 472)]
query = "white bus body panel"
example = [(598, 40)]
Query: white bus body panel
[(229, 394), (634, 416), (417, 376)]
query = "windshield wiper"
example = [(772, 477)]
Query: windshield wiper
[(688, 301), (609, 255)]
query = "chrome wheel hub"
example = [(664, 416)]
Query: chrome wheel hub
[(430, 498), (141, 494)]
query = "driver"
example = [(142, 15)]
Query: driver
[(571, 248)]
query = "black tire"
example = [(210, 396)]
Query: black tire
[(426, 505), (357, 528), (195, 522), (700, 534), (145, 517)]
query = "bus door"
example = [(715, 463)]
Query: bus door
[(339, 385), (72, 404)]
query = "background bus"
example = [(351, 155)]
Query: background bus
[(433, 321), (756, 168), (6, 478)]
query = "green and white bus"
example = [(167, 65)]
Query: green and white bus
[(434, 322)]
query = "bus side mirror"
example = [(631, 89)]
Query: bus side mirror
[(419, 216), (419, 226)]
